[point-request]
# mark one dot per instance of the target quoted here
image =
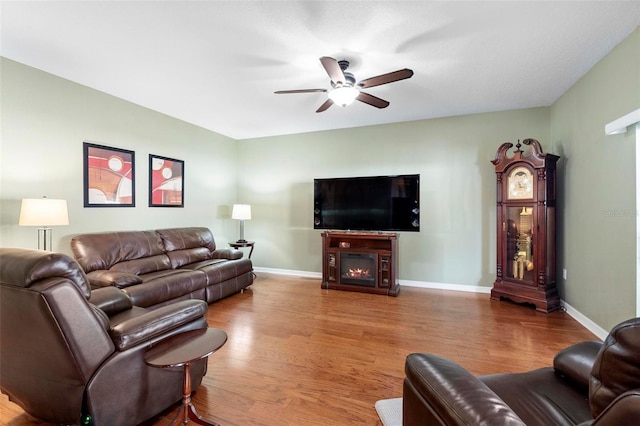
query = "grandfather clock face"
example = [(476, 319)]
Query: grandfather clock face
[(520, 184)]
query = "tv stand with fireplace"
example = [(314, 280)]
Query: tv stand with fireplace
[(360, 261)]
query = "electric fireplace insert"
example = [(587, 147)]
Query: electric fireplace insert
[(358, 268)]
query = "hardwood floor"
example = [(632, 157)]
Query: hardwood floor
[(301, 355)]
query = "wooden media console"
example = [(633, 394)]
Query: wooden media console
[(360, 261)]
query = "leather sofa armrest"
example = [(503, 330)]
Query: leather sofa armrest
[(576, 361), (102, 317), (139, 329), (102, 278), (453, 394), (111, 300), (623, 410), (227, 253)]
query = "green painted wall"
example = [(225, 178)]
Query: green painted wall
[(456, 244), (597, 244), (45, 120)]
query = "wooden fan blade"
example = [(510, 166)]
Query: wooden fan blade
[(281, 92), (386, 78), (333, 69), (325, 105), (372, 100)]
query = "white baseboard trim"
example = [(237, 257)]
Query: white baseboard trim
[(600, 332), (443, 286), (586, 322), (288, 272)]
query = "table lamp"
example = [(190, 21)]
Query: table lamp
[(241, 212), (43, 213)]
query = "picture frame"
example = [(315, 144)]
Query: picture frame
[(109, 176), (166, 182)]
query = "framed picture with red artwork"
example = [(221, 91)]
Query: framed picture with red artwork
[(166, 182), (109, 176)]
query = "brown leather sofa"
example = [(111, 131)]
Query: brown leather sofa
[(590, 383), (72, 356), (159, 267)]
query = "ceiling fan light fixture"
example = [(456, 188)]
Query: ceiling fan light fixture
[(344, 89), (344, 95)]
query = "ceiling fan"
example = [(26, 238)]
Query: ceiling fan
[(344, 89)]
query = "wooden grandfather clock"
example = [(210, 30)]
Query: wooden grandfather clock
[(526, 225)]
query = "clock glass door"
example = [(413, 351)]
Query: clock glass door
[(519, 243)]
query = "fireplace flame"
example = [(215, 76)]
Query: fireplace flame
[(358, 273)]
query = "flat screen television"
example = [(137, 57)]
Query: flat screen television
[(373, 203)]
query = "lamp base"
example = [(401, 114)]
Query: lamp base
[(45, 239), (241, 240)]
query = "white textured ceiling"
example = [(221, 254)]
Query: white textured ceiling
[(216, 64)]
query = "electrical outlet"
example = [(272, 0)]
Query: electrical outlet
[(564, 273)]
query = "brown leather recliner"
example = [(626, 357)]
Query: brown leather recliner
[(69, 356), (590, 383)]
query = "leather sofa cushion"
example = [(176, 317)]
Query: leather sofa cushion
[(21, 268), (183, 257), (110, 300), (541, 397), (187, 245), (227, 253), (143, 265), (103, 250), (617, 366), (220, 270), (576, 361), (186, 238), (128, 331), (166, 285), (117, 279)]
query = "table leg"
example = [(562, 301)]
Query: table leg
[(188, 410), (195, 418)]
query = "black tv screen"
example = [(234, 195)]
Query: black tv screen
[(374, 203)]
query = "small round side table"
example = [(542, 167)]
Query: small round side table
[(181, 350), (238, 244)]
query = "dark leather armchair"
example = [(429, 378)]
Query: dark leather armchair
[(590, 383), (68, 355)]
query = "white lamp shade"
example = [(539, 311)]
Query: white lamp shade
[(43, 212), (241, 212)]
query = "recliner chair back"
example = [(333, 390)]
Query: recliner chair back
[(616, 370), (51, 339)]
